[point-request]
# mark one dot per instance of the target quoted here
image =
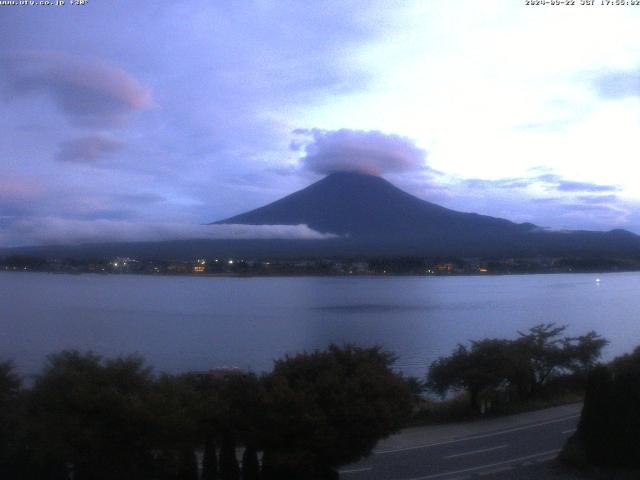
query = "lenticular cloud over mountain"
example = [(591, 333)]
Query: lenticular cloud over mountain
[(371, 152)]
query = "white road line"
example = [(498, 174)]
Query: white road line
[(355, 470), (571, 430), (496, 470), (474, 437), (489, 465), (456, 455)]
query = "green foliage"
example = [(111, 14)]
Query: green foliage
[(10, 385), (250, 465), (543, 353), (330, 408), (483, 365), (416, 385), (229, 468), (525, 364), (91, 416), (101, 419), (610, 419), (209, 459), (542, 348), (583, 351)]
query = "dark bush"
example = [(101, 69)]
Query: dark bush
[(526, 365), (609, 427), (329, 408), (90, 418)]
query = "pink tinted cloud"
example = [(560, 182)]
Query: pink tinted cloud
[(14, 188), (89, 149), (90, 92), (19, 195), (371, 152)]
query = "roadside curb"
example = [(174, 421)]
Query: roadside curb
[(419, 437)]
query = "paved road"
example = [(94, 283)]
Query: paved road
[(481, 449)]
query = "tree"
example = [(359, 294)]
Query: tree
[(326, 409), (596, 412), (526, 363), (174, 405), (250, 465), (207, 415), (610, 420), (241, 412), (229, 412), (209, 459), (543, 353), (417, 386), (584, 351), (485, 364), (91, 416), (10, 385), (542, 349)]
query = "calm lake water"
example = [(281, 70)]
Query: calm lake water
[(190, 323)]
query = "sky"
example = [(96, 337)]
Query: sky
[(131, 120)]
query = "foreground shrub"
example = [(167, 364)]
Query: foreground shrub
[(89, 418), (10, 385), (609, 429), (326, 409), (524, 366)]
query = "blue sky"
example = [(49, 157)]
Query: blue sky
[(125, 119)]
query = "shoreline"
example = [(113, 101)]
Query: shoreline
[(321, 275)]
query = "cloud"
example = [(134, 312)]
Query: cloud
[(58, 231), (142, 198), (361, 151), (549, 181), (570, 186), (18, 195), (88, 149), (556, 182), (598, 199), (618, 84), (590, 207), (89, 92), (507, 183)]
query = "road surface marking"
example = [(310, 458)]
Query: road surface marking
[(476, 451), (489, 465), (571, 430), (475, 437), (355, 470), (496, 470)]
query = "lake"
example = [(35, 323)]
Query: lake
[(197, 323)]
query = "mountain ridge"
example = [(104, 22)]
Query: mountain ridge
[(362, 203), (375, 214), (370, 217)]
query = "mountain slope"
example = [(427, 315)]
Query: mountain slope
[(373, 215), (360, 205), (371, 218)]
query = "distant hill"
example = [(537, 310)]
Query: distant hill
[(371, 217)]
